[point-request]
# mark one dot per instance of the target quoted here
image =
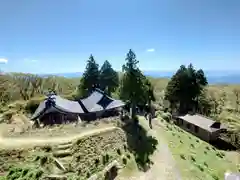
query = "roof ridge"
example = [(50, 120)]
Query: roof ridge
[(205, 117)]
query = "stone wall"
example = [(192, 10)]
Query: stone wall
[(93, 153)]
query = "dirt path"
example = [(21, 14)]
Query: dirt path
[(164, 167), (30, 142)]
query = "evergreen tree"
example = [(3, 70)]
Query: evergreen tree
[(109, 79), (184, 88), (90, 78), (135, 88)]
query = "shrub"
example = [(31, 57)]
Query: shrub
[(32, 105), (97, 162), (88, 175), (193, 159), (200, 167), (125, 147), (24, 172), (124, 160), (182, 156), (167, 116), (219, 154), (215, 177), (119, 151), (43, 160), (46, 148), (38, 174), (105, 159), (8, 115)]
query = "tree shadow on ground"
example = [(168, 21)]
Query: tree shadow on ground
[(141, 145)]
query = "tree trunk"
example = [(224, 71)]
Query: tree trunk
[(133, 110)]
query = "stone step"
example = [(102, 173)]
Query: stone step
[(62, 153), (55, 177), (59, 165), (63, 146)]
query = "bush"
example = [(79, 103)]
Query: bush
[(215, 177), (182, 156), (32, 105), (193, 159), (119, 151), (71, 97), (8, 115), (200, 167), (124, 161), (167, 116), (159, 113)]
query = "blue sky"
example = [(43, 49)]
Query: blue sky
[(52, 36)]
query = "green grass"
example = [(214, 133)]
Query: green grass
[(195, 158), (130, 168)]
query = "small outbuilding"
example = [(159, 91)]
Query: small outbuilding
[(201, 126)]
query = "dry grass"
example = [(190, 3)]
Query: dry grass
[(23, 129), (82, 157)]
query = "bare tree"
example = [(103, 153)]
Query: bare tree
[(215, 103), (4, 87), (222, 101), (36, 84), (23, 83), (237, 95)]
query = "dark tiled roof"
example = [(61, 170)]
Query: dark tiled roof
[(61, 104), (97, 101)]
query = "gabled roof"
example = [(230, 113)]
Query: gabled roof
[(90, 103), (99, 101), (61, 104), (202, 122)]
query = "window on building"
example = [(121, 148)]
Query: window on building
[(196, 129), (188, 125)]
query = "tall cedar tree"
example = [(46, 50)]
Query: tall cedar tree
[(90, 78), (109, 79), (184, 88), (135, 89)]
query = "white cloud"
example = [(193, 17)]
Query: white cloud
[(30, 60), (150, 50), (2, 60)]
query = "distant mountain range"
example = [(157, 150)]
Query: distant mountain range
[(214, 77)]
